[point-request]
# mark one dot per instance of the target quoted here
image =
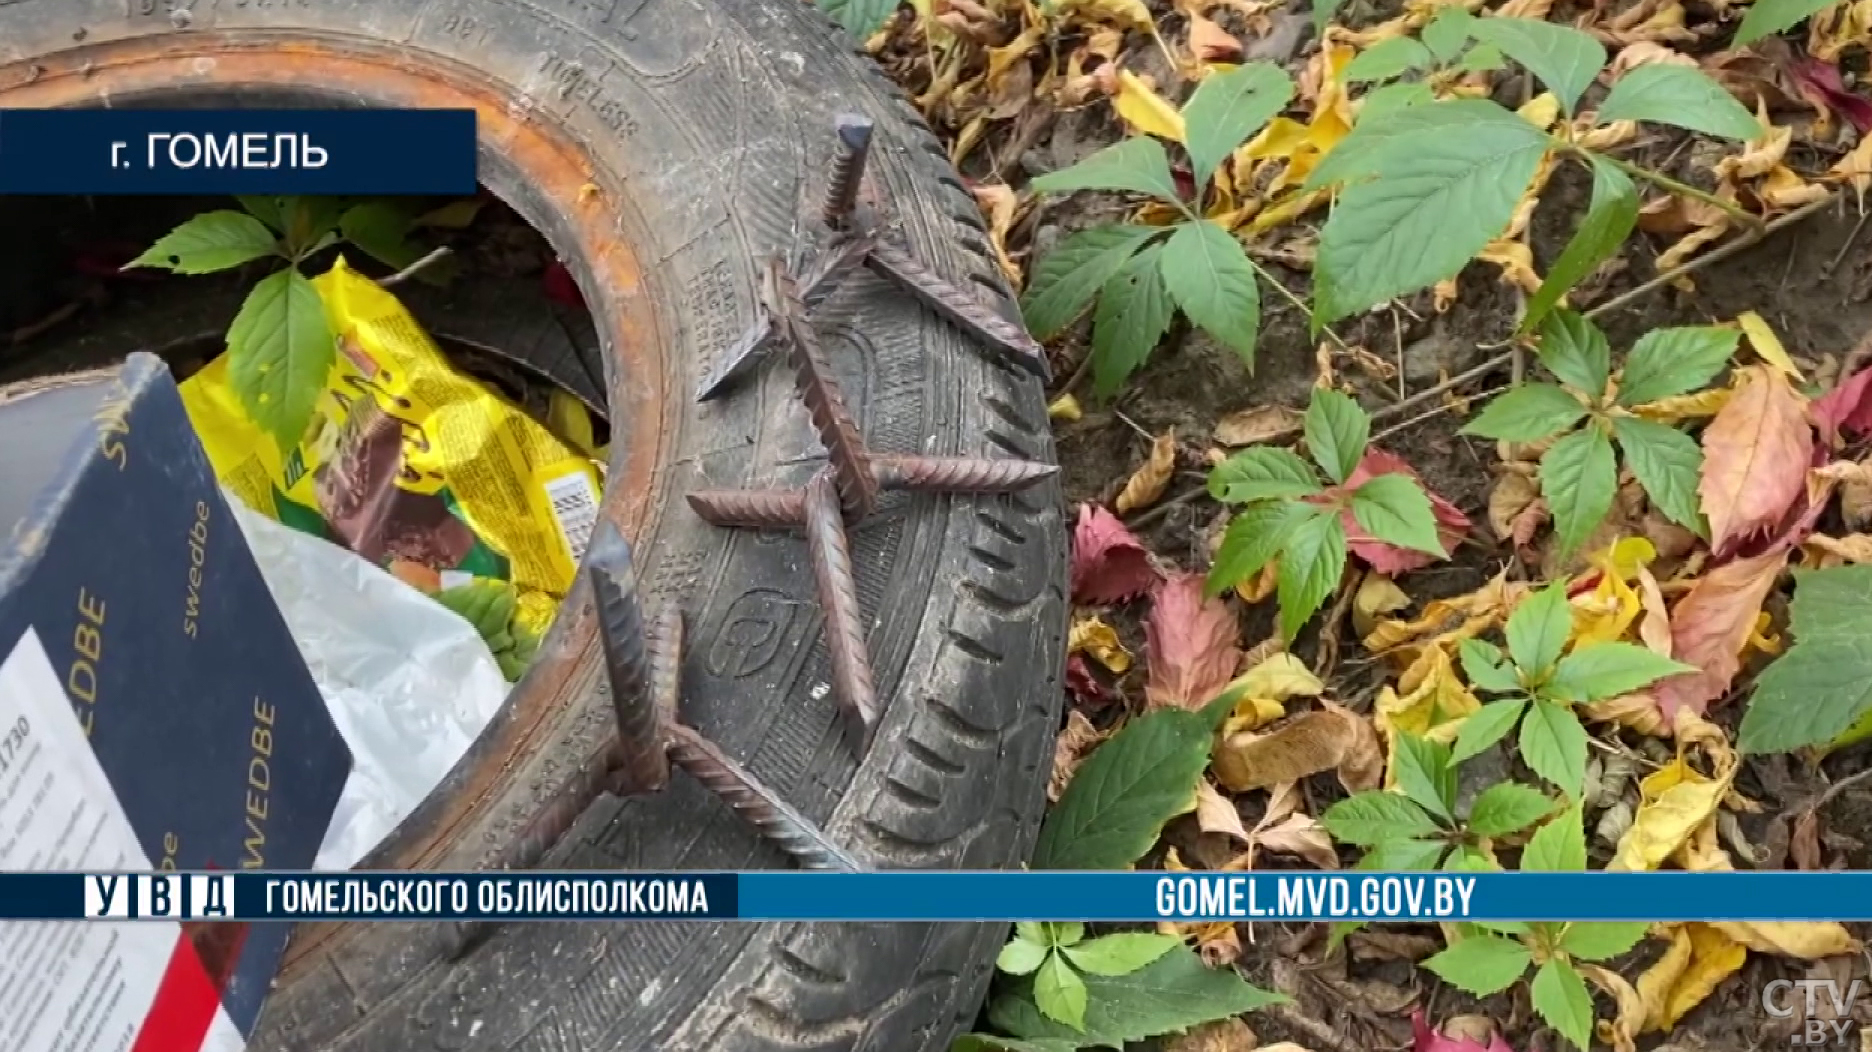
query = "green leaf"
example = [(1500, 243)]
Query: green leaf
[(1226, 109), (209, 242), (1573, 349), (1322, 14), (1447, 178), (1611, 214), (1262, 473), (1554, 744), (1823, 683), (1681, 96), (269, 209), (1125, 791), (1337, 431), (1507, 807), (1483, 58), (1172, 993), (1565, 59), (1133, 311), (1426, 775), (1666, 362), (1667, 463), (1528, 413), (1403, 856), (1538, 628), (1480, 964), (997, 1043), (280, 349), (1020, 957), (1559, 846), (1120, 954), (1559, 994), (1485, 667), (1068, 277), (1387, 59), (1060, 993), (1208, 275), (1766, 17), (1063, 933), (1601, 940), (1486, 726), (1035, 932), (1578, 477), (381, 228), (311, 222), (1394, 509), (1376, 818), (1391, 97), (1607, 670), (861, 18), (1467, 859), (1311, 564), (1137, 164), (1447, 31), (1255, 535)]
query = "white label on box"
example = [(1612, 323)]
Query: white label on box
[(70, 986)]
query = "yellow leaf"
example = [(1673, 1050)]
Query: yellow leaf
[(1093, 636), (1673, 802), (1678, 408), (1541, 110), (1142, 108), (1260, 586), (1278, 678), (1700, 957), (1131, 14), (1855, 169), (1149, 481), (1807, 940), (1604, 614), (1516, 261), (1065, 407), (1430, 702), (1377, 594)]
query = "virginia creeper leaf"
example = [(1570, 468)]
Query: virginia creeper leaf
[(1262, 473), (1376, 817), (1681, 96), (1823, 683), (1579, 479), (1387, 59), (1426, 775), (1565, 59), (1310, 568), (1480, 964), (1069, 276), (1607, 670), (1765, 17), (1559, 994), (1227, 108), (1485, 667), (1337, 431), (1666, 362), (1559, 846), (1538, 628), (1020, 957), (1254, 537), (1447, 31), (1138, 164), (1601, 940), (1060, 993), (1554, 744), (1507, 807), (1208, 275), (1394, 509), (1528, 413), (861, 18), (1119, 954), (1573, 348), (1486, 726), (279, 349), (1611, 213), (1173, 992), (210, 242), (1667, 463), (1133, 311), (1125, 791), (1402, 856)]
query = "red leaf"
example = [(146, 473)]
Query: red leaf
[(1452, 524), (1848, 407), (560, 288), (1193, 645), (1708, 627), (1084, 684), (1821, 79), (1109, 565), (1424, 1039)]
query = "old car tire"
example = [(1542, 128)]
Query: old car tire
[(665, 146)]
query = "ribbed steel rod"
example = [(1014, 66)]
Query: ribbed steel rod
[(643, 764), (776, 820), (826, 543)]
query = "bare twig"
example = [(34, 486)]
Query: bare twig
[(1751, 238), (413, 269), (1437, 410)]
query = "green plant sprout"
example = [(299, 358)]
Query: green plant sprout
[(1291, 516)]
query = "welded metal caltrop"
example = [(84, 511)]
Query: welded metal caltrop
[(857, 239), (839, 496)]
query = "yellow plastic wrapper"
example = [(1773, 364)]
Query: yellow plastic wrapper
[(409, 462)]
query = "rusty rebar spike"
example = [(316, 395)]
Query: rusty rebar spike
[(776, 820), (643, 765), (965, 311), (666, 650), (846, 173), (829, 270), (958, 474), (844, 629), (825, 403), (755, 509)]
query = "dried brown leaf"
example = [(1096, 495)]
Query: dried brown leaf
[(1510, 497), (1328, 739), (1262, 423), (1076, 740), (1149, 481), (1755, 456), (1194, 645), (1223, 1035), (1216, 813), (1209, 42)]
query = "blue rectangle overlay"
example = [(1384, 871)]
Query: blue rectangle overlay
[(941, 896), (348, 152)]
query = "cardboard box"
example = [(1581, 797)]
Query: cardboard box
[(125, 561)]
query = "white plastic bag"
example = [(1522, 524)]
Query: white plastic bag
[(408, 682)]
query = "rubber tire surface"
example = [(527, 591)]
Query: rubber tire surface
[(710, 119)]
